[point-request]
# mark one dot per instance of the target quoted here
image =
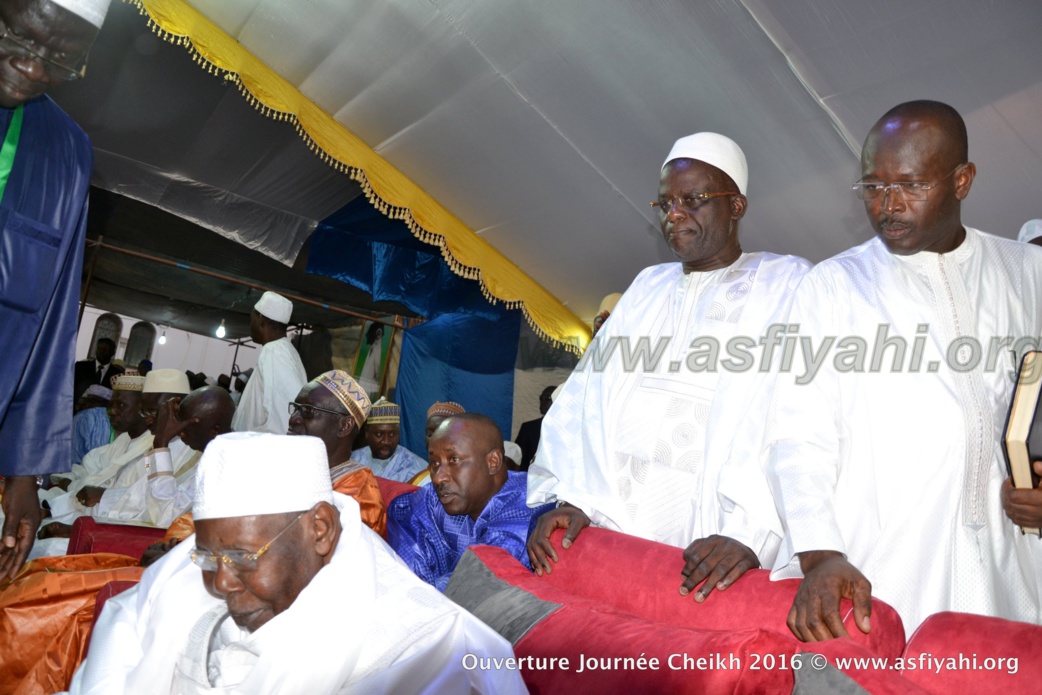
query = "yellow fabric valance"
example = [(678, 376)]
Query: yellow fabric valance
[(467, 254)]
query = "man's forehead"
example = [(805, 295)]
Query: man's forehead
[(677, 170), (313, 393), (47, 23)]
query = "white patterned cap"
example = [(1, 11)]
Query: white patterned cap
[(93, 11), (256, 473), (714, 149)]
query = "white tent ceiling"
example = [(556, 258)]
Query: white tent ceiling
[(542, 124)]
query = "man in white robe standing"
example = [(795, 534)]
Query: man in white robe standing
[(279, 375), (886, 460), (284, 590), (668, 447)]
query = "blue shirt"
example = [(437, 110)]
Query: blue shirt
[(432, 541)]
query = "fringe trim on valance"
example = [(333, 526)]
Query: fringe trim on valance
[(574, 343)]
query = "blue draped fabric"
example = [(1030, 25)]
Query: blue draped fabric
[(43, 223), (362, 247), (432, 542), (459, 358)]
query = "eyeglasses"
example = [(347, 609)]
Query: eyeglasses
[(148, 413), (688, 202), (16, 44), (908, 190), (307, 411), (239, 560)]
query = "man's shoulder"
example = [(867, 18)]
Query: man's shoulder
[(61, 130)]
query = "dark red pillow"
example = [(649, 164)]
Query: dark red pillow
[(961, 653), (606, 567)]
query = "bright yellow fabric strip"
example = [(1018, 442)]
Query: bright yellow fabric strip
[(386, 188)]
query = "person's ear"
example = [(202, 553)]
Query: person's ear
[(347, 428), (495, 462), (326, 525), (739, 204), (964, 180)]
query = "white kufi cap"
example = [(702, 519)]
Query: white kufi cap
[(255, 473), (167, 381), (275, 307), (1032, 229), (93, 11), (715, 149)]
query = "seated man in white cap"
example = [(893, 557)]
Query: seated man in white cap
[(100, 465), (333, 407), (108, 492), (385, 455), (668, 448), (284, 590), (46, 179), (279, 374), (182, 430), (472, 500)]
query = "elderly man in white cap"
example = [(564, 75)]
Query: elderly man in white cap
[(284, 590), (279, 375), (668, 448), (384, 454), (45, 170)]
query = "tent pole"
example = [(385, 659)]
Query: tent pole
[(90, 276), (395, 323)]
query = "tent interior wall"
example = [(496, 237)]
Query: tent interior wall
[(539, 126)]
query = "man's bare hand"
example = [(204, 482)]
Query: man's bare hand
[(718, 561), (540, 550), (55, 530), (1023, 506), (21, 519), (157, 550), (827, 578), (167, 425), (90, 495)]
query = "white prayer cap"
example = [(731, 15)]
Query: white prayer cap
[(93, 11), (275, 307), (99, 391), (512, 451), (715, 149), (255, 473), (1032, 229), (167, 381)]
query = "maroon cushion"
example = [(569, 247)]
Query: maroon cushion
[(960, 653), (591, 568), (389, 489), (88, 536)]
